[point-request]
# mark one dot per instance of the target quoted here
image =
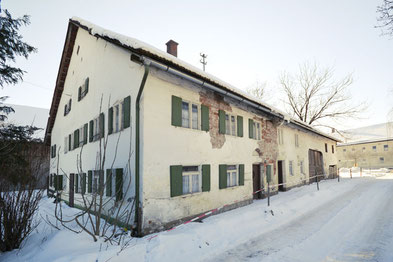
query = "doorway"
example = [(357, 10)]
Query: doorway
[(256, 181), (315, 165), (280, 175)]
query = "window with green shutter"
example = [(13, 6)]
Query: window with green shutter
[(205, 178), (250, 128), (119, 184), (76, 138), (90, 181), (221, 122), (205, 117), (91, 131), (85, 128), (240, 126), (69, 142), (110, 120), (108, 182), (176, 180), (127, 111), (83, 183), (241, 175), (176, 111), (222, 176), (76, 183), (102, 125)]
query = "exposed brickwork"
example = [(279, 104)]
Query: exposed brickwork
[(215, 103), (267, 147)]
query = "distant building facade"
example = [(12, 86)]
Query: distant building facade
[(377, 153)]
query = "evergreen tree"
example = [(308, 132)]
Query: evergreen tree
[(11, 46)]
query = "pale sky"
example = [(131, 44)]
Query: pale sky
[(246, 41)]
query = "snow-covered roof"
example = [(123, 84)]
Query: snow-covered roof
[(366, 141), (156, 53)]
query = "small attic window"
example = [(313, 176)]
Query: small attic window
[(67, 107), (77, 50), (82, 90)]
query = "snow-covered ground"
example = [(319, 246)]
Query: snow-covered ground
[(347, 221)]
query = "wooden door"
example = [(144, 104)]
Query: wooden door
[(71, 190), (256, 181), (280, 175)]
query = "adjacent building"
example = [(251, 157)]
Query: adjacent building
[(177, 141)]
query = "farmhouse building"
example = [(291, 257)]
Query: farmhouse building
[(177, 141)]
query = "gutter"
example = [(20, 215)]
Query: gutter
[(138, 209)]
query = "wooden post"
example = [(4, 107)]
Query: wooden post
[(350, 172), (360, 172), (338, 174), (317, 182), (268, 193)]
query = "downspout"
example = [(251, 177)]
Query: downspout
[(138, 210)]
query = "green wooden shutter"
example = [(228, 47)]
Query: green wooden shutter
[(54, 150), (250, 128), (269, 173), (102, 125), (222, 178), (91, 131), (205, 117), (90, 181), (176, 111), (127, 111), (205, 178), (60, 182), (119, 184), (110, 121), (69, 143), (76, 138), (83, 185), (176, 179), (86, 85), (241, 175), (79, 93), (55, 184), (85, 127), (101, 182), (108, 182), (76, 176), (221, 121), (240, 126)]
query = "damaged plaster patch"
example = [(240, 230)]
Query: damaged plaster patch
[(215, 102)]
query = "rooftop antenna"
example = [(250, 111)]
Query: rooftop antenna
[(203, 60)]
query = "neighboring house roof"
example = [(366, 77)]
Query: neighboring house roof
[(158, 55), (366, 141), (369, 133), (28, 115)]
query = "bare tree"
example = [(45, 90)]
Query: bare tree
[(314, 95), (257, 90), (96, 205), (385, 17)]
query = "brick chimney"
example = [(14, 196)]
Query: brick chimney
[(171, 47)]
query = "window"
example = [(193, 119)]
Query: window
[(191, 179), (280, 135), (66, 145), (98, 127), (326, 148), (255, 129), (375, 148), (385, 147), (291, 168), (190, 115), (232, 176), (97, 181), (381, 159), (67, 107), (296, 140), (82, 90), (301, 167), (332, 149), (119, 116), (230, 124)]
